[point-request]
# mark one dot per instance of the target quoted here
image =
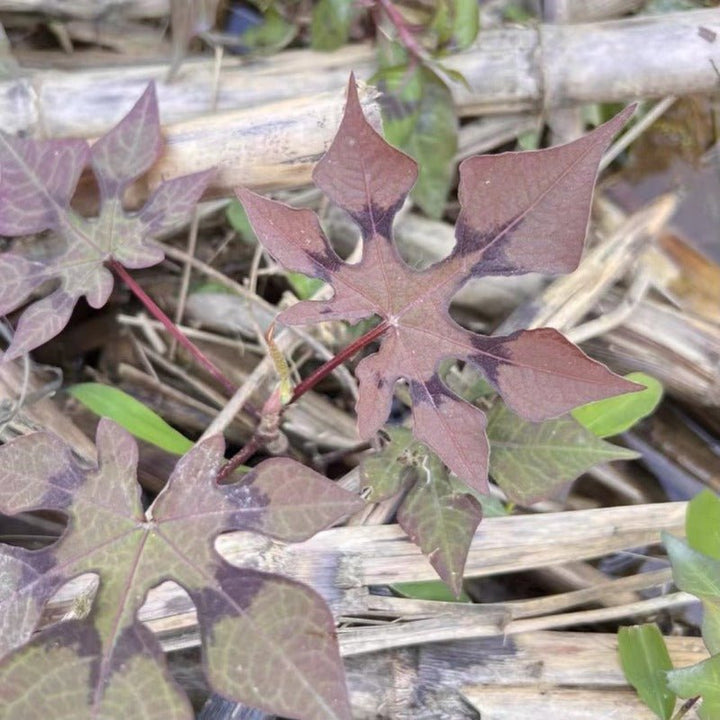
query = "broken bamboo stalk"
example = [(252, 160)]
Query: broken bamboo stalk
[(342, 563), (511, 69), (89, 9), (527, 676)]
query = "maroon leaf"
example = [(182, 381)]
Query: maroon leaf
[(520, 213), (37, 182), (267, 641)]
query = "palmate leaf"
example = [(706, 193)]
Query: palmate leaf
[(37, 181), (521, 212), (267, 641)]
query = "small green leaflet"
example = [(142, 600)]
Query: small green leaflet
[(645, 661), (384, 473), (273, 34), (303, 286), (699, 574), (456, 23), (693, 571), (126, 411), (531, 461), (696, 569), (701, 556), (238, 219), (331, 24), (702, 679), (702, 523), (440, 516), (439, 513), (711, 624), (617, 414)]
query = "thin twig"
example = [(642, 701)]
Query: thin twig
[(197, 385), (306, 337), (636, 130), (249, 449), (185, 278), (191, 332)]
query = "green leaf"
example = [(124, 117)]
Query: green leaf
[(442, 22), (617, 414), (440, 516), (645, 661), (429, 590), (331, 24), (419, 117), (384, 473), (403, 89), (693, 571), (531, 461), (433, 143), (702, 679), (303, 286), (466, 23), (699, 574), (455, 24), (529, 140), (469, 384), (492, 506), (702, 523), (711, 624), (274, 33), (238, 219), (126, 411)]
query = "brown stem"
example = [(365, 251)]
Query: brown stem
[(249, 449), (158, 314)]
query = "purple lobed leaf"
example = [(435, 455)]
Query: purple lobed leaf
[(267, 641), (521, 212), (37, 182), (130, 148)]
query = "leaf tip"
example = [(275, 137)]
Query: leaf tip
[(352, 104)]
